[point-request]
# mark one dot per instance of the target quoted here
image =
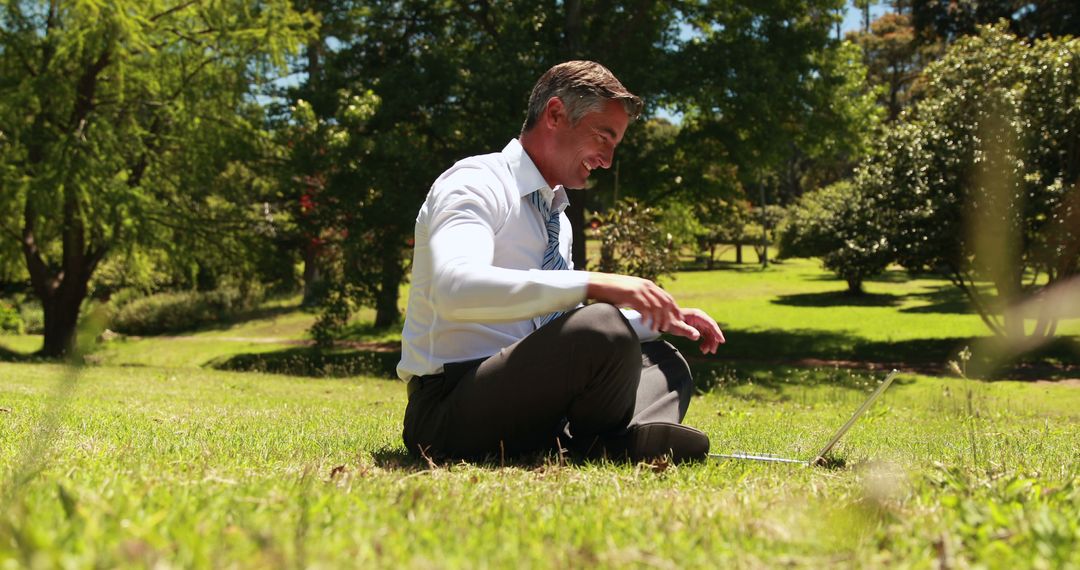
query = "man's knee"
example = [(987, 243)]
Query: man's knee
[(603, 327), (670, 362)]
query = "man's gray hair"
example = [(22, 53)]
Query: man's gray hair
[(583, 87)]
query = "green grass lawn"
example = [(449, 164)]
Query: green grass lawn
[(185, 467), (151, 457)]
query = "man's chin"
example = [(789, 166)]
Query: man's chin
[(577, 184)]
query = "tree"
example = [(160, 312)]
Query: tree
[(307, 128), (844, 228), (774, 98), (116, 119), (725, 222), (894, 59), (454, 79), (950, 20), (982, 176), (632, 242)]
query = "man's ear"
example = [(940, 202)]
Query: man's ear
[(554, 113)]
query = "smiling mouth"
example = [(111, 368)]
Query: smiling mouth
[(588, 168)]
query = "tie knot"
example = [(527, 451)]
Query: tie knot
[(542, 205)]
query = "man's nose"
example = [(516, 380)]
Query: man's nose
[(606, 157)]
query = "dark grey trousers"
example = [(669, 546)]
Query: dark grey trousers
[(583, 375)]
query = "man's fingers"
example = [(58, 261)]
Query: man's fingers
[(680, 328), (658, 307), (712, 336)]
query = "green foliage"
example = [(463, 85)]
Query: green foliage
[(33, 317), (422, 61), (177, 312), (723, 221), (817, 118), (632, 242), (128, 122), (10, 320), (316, 146), (952, 20), (139, 271), (841, 226), (336, 310), (679, 223), (894, 59), (980, 178)]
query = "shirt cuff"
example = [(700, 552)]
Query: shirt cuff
[(642, 330)]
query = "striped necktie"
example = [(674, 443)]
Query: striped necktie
[(552, 258)]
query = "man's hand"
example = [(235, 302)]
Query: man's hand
[(657, 307), (695, 324)]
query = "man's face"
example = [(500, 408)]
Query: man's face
[(590, 144)]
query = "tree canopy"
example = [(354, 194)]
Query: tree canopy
[(142, 143), (119, 124), (981, 178)]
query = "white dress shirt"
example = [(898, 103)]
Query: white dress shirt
[(476, 278)]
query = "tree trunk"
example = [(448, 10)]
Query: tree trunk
[(738, 253), (386, 303), (763, 253), (1013, 321), (61, 289), (854, 286), (62, 318), (312, 273), (1007, 280)]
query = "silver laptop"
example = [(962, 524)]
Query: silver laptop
[(819, 457)]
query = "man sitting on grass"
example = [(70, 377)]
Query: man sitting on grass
[(498, 359)]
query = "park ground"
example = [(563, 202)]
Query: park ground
[(238, 445)]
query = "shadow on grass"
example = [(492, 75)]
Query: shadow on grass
[(758, 355), (761, 354), (368, 332), (786, 345), (839, 299), (942, 299), (398, 459), (8, 355), (312, 362), (750, 266), (891, 276), (766, 382)]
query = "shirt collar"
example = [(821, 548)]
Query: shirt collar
[(529, 179)]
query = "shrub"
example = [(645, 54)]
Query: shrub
[(980, 176), (633, 243), (33, 317), (842, 226), (174, 312), (10, 320)]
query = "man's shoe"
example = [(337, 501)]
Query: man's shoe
[(645, 442)]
